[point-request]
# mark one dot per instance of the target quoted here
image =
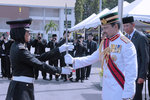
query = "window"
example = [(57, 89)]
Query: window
[(68, 24), (68, 11)]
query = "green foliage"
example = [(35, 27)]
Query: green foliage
[(109, 4), (129, 1), (90, 7), (84, 8), (78, 11), (51, 26), (112, 3)]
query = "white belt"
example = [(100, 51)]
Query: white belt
[(23, 79)]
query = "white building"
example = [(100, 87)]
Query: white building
[(41, 11)]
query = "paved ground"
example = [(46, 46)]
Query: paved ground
[(53, 90)]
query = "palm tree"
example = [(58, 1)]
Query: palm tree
[(51, 26)]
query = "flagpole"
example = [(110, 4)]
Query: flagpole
[(66, 29), (99, 27), (120, 13)]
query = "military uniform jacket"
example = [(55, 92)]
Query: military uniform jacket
[(126, 61), (23, 62)]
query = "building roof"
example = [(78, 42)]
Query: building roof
[(39, 3)]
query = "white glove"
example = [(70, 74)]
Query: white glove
[(69, 59), (64, 47), (66, 70)]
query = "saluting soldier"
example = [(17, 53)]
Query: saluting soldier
[(23, 62), (118, 58)]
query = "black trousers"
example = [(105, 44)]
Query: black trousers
[(87, 71), (138, 93), (36, 73), (20, 91), (3, 66), (80, 74), (53, 63), (149, 85), (8, 67)]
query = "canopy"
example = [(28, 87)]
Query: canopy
[(96, 21), (81, 24), (115, 9), (139, 9)]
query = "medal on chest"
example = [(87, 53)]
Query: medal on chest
[(116, 48)]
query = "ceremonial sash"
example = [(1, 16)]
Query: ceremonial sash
[(117, 74)]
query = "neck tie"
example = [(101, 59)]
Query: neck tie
[(129, 37)]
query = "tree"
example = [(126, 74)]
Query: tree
[(109, 4), (112, 3), (95, 6), (129, 1), (90, 7), (78, 11), (51, 26)]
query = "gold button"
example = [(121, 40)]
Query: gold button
[(27, 84)]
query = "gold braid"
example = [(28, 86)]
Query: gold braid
[(105, 54)]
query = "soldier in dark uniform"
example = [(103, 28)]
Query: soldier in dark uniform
[(62, 61), (40, 45), (91, 47), (80, 51), (5, 61), (53, 44), (3, 56), (23, 62)]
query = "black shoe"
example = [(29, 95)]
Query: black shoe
[(36, 78), (44, 78), (57, 79), (86, 78), (77, 80), (82, 81), (65, 80), (50, 78), (61, 78), (71, 79)]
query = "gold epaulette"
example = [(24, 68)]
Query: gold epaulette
[(125, 39)]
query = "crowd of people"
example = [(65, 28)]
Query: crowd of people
[(124, 58), (81, 48)]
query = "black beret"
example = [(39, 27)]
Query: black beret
[(21, 23), (80, 36), (127, 20), (90, 34), (54, 35)]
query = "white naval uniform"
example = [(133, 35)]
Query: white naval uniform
[(126, 62)]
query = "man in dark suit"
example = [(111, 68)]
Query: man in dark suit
[(52, 44), (62, 60), (40, 45), (91, 47), (80, 51), (6, 43), (140, 42)]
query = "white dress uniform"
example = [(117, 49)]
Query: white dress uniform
[(124, 52)]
